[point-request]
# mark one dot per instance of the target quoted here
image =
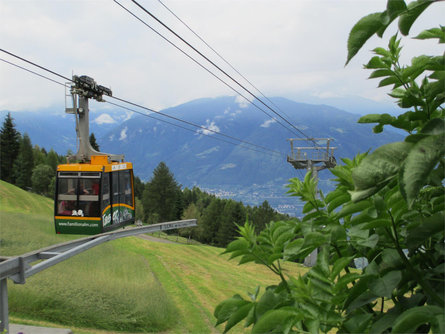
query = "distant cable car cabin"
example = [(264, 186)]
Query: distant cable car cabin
[(95, 194)]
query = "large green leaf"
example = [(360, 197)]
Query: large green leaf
[(378, 168), (380, 73), (352, 207), (385, 321), (361, 32), (407, 19), (345, 280), (239, 244), (395, 7), (377, 118), (365, 298), (359, 288), (358, 323), (419, 163), (293, 248), (228, 307), (411, 319), (426, 230), (276, 321), (338, 200), (269, 301), (339, 265), (384, 286), (237, 316), (438, 33)]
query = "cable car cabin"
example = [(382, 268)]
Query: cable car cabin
[(94, 197)]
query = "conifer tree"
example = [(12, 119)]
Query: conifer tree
[(41, 178), (138, 187), (211, 221), (263, 215), (9, 148), (24, 163), (39, 155), (93, 142), (52, 159), (232, 214), (161, 195)]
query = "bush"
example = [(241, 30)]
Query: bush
[(387, 209)]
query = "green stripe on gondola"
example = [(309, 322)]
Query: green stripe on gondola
[(78, 226)]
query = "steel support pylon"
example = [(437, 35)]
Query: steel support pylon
[(313, 159)]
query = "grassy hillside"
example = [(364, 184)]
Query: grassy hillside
[(127, 285)]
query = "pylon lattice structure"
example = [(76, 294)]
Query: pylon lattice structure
[(314, 159)]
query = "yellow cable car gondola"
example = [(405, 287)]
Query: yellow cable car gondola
[(94, 194)]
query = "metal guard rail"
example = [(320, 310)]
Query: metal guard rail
[(18, 269)]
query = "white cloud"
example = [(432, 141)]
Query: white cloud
[(211, 128), (104, 119), (302, 50), (268, 123), (125, 115), (206, 152), (325, 94), (236, 112), (227, 166), (242, 102), (123, 134)]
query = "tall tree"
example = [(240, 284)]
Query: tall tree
[(233, 214), (262, 215), (211, 221), (161, 194), (9, 148), (39, 155), (24, 163), (138, 187), (192, 212), (93, 142), (41, 178), (52, 159)]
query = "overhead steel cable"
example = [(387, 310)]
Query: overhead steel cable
[(148, 109), (216, 66), (36, 65), (196, 125), (199, 64), (220, 56), (192, 130), (35, 73), (225, 73)]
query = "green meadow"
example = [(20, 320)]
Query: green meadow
[(128, 285)]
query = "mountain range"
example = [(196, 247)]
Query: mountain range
[(199, 156)]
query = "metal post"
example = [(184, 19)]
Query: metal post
[(307, 158), (311, 259), (84, 127), (85, 150), (4, 318)]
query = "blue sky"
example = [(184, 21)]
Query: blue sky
[(289, 48)]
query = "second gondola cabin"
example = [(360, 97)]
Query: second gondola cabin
[(94, 197)]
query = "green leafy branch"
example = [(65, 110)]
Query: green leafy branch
[(388, 209)]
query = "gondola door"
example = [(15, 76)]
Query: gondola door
[(116, 198), (106, 209)]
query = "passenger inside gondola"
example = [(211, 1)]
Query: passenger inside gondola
[(66, 207)]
